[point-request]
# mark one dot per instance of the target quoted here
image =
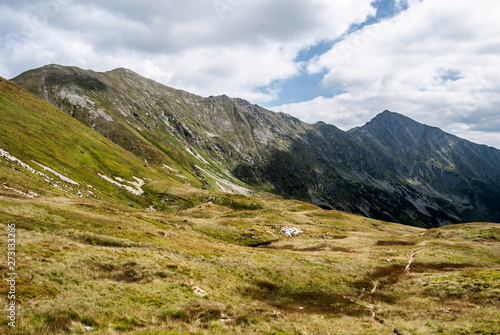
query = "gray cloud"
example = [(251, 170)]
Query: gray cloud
[(248, 43)]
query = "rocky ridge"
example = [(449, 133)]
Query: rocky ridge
[(392, 169)]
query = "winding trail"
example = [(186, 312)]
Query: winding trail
[(375, 285), (374, 317), (379, 320), (408, 267), (373, 308)]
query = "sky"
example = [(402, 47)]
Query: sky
[(337, 61)]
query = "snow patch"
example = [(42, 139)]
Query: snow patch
[(49, 180), (30, 194), (60, 176), (58, 187), (197, 155), (169, 168), (185, 178), (222, 188), (273, 234), (134, 187), (11, 158), (90, 186), (226, 185)]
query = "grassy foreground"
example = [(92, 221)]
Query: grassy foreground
[(217, 264), (91, 259)]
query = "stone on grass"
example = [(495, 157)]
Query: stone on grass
[(290, 231)]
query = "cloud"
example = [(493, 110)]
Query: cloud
[(436, 62), (231, 47)]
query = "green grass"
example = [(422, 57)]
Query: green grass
[(122, 270), (108, 263)]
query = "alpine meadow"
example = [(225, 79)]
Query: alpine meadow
[(130, 207)]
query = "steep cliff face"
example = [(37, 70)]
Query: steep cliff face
[(444, 168), (392, 169)]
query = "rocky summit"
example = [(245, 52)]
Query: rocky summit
[(392, 168)]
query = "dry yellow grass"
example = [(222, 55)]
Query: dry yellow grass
[(91, 267)]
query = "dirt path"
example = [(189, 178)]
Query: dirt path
[(372, 308), (379, 320), (408, 267), (375, 285)]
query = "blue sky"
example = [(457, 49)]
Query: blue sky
[(341, 62), (306, 86)]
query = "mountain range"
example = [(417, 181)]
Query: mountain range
[(133, 208), (392, 168)]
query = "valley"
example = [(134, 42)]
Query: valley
[(140, 227)]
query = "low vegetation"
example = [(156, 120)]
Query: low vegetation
[(87, 266), (173, 258)]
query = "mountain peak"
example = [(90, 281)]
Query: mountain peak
[(388, 116), (123, 71), (378, 170), (389, 126)]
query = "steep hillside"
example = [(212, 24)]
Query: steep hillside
[(229, 144), (44, 152), (153, 121)]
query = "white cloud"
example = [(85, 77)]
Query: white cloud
[(436, 62), (194, 45)]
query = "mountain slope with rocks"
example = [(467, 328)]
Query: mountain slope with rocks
[(392, 169)]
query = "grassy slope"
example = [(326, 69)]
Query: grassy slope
[(33, 130), (123, 270), (99, 263)]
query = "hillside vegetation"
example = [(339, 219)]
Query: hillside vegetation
[(120, 270), (391, 169), (107, 243)]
